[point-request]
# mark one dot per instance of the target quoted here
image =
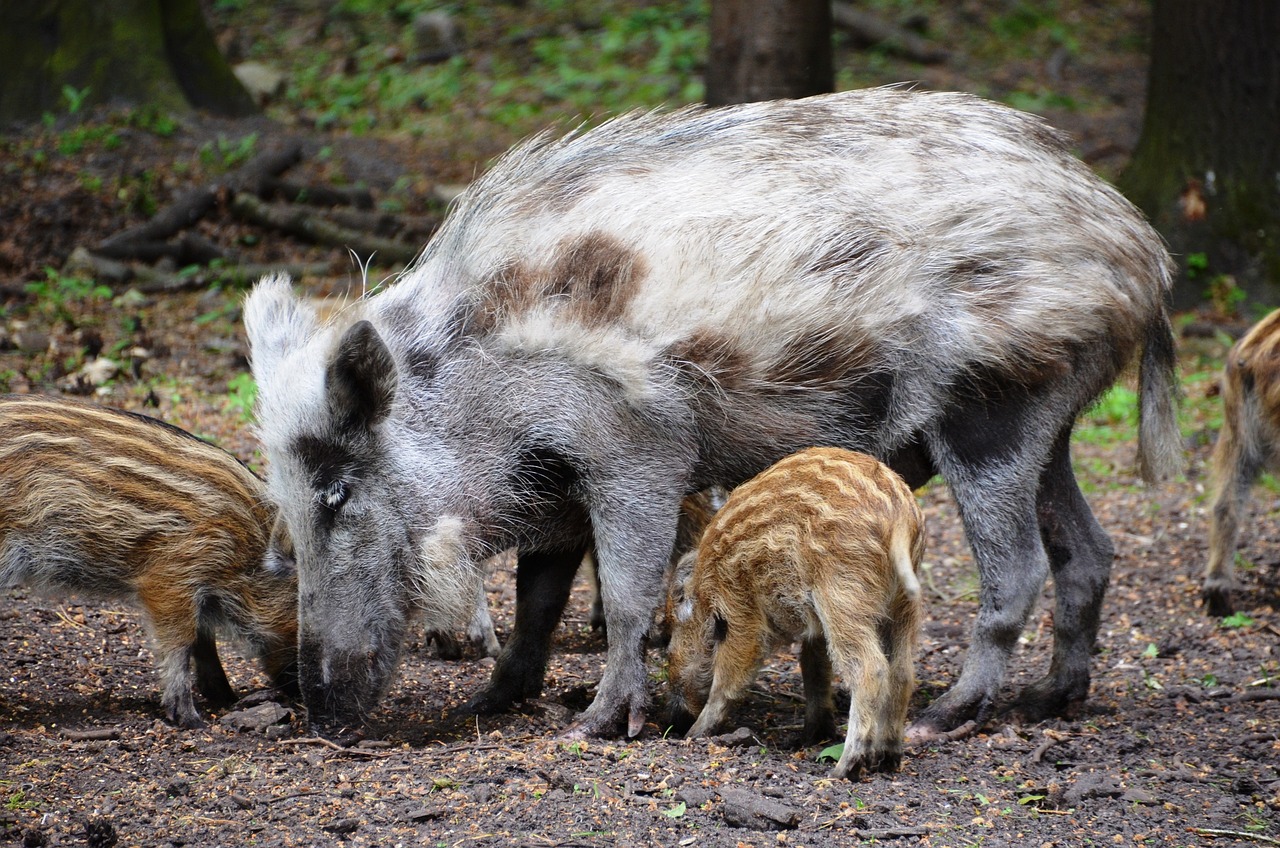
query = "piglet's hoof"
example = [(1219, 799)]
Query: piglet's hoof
[(924, 734)]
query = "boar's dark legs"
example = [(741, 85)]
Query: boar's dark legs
[(1080, 555), (211, 680), (543, 581)]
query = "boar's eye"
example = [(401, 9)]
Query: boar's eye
[(334, 495)]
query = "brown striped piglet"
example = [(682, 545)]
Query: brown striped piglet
[(114, 505), (822, 546), (1248, 444)]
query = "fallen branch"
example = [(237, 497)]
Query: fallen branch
[(96, 734), (318, 230), (870, 30), (190, 206), (1255, 695), (334, 746), (151, 281), (315, 195), (1234, 834)]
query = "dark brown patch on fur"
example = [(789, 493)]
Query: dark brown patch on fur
[(715, 356), (820, 357), (600, 276)]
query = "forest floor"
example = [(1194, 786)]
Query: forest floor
[(1179, 743)]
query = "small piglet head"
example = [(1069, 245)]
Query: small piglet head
[(322, 407), (696, 630)]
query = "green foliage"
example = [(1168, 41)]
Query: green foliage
[(57, 293), (227, 153), (832, 753), (1237, 620), (75, 97), (1197, 263), (677, 811), (242, 394)]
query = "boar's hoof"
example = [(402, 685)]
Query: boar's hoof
[(1217, 602), (181, 718), (1052, 696)]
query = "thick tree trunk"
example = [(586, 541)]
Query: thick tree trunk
[(1207, 167), (130, 52), (769, 49)]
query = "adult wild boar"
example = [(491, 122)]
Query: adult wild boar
[(611, 320)]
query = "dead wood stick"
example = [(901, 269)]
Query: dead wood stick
[(315, 195), (385, 223), (1234, 834), (334, 746), (1256, 695), (869, 29), (94, 734), (317, 230), (151, 281)]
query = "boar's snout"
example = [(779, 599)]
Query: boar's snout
[(341, 688)]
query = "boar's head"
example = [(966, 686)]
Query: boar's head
[(346, 478)]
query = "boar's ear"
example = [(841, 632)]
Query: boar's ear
[(360, 381), (276, 322)]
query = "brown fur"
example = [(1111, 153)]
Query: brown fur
[(109, 504), (824, 546), (1248, 444)]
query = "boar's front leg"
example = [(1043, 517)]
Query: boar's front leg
[(633, 545), (543, 581), (211, 679)]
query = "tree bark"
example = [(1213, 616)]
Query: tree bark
[(1207, 166), (127, 52), (769, 49)]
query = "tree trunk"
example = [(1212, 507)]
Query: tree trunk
[(126, 52), (1207, 167), (769, 49)]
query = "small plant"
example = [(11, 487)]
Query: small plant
[(1151, 651), (1197, 263), (677, 811), (1237, 620), (75, 97), (57, 292), (831, 752), (227, 153), (1209, 681), (1225, 296)]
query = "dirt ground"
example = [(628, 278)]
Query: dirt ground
[(1178, 745)]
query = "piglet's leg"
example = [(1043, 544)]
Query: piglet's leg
[(853, 640), (734, 665), (173, 617), (1236, 464), (819, 710)]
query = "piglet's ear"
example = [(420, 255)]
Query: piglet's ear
[(360, 381)]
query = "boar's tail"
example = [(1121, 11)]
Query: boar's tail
[(1159, 442)]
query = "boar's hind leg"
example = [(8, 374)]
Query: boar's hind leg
[(211, 680), (543, 581), (1080, 555), (990, 452)]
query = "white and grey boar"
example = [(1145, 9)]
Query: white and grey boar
[(1248, 444), (611, 320), (113, 505), (822, 547)]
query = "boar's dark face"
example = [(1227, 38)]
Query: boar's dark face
[(337, 475)]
